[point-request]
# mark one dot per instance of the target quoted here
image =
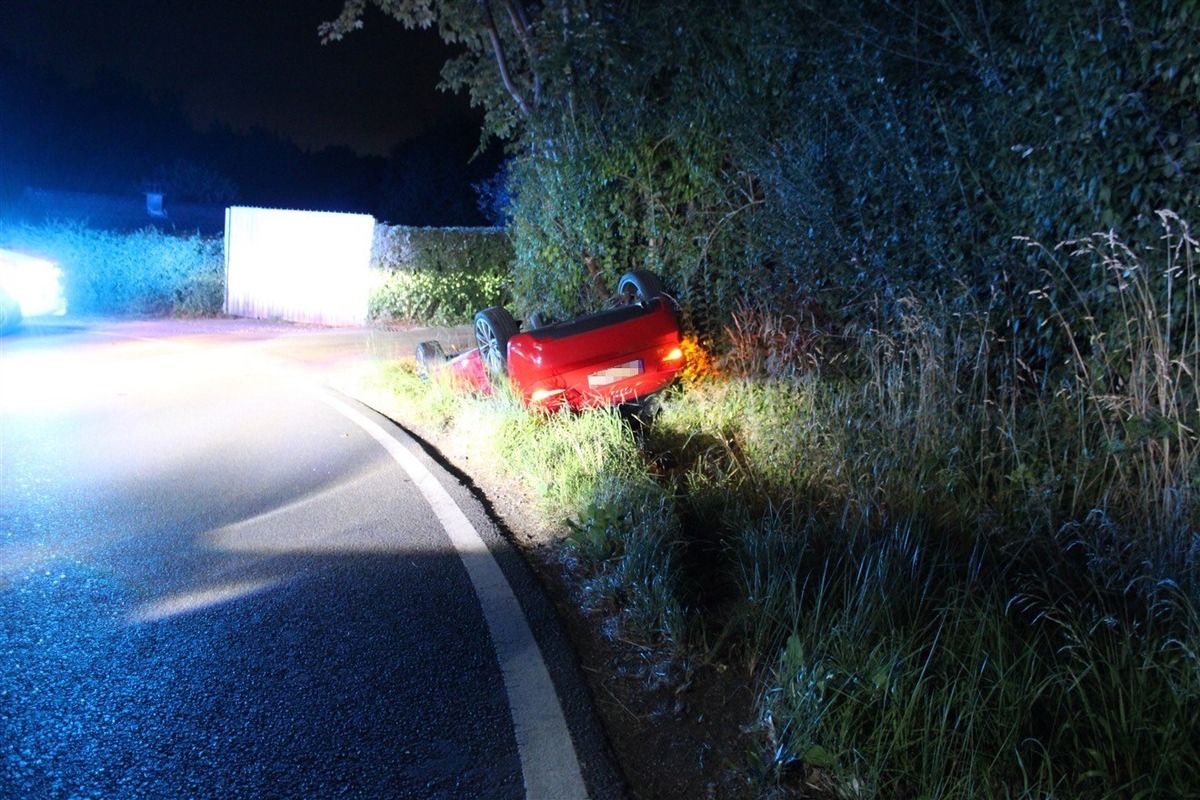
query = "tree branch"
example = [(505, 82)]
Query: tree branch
[(519, 18), (349, 20), (489, 22)]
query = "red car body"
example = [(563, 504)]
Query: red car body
[(613, 357)]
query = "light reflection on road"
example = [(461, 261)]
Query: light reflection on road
[(200, 599)]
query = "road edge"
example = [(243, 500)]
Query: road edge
[(537, 661)]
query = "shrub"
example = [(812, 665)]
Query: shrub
[(438, 275), (143, 272), (782, 152), (945, 554)]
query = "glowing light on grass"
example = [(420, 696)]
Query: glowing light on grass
[(698, 362)]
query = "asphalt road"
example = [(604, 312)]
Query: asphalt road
[(220, 580)]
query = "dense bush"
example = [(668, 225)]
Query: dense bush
[(438, 275), (143, 272), (968, 577), (924, 137), (774, 151)]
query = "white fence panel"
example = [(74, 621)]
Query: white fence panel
[(302, 266)]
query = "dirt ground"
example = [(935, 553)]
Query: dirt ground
[(679, 726)]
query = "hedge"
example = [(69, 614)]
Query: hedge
[(137, 272), (438, 276)]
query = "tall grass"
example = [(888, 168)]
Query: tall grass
[(969, 560), (1136, 358)]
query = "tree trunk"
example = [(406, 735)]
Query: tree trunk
[(501, 60)]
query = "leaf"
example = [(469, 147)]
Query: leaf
[(818, 756)]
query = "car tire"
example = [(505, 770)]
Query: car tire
[(429, 355), (639, 286), (493, 328)]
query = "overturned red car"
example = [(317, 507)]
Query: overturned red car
[(618, 356)]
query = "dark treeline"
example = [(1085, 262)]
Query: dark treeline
[(110, 138)]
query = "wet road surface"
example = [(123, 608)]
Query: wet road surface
[(212, 584)]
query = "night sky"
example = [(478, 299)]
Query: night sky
[(249, 64)]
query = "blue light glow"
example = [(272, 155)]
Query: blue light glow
[(35, 283)]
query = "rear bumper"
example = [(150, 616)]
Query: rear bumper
[(591, 366)]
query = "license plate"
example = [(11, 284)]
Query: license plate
[(620, 372)]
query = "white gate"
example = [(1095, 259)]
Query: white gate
[(302, 266)]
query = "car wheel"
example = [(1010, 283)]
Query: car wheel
[(639, 286), (10, 312), (429, 355), (493, 328)]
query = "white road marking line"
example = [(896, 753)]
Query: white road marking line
[(548, 761)]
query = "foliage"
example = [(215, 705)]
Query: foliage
[(940, 131), (492, 197), (143, 272), (579, 224), (629, 534), (967, 577), (899, 687), (621, 189), (953, 575), (438, 275), (772, 151), (184, 180), (448, 298), (399, 247)]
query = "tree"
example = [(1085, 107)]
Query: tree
[(777, 149), (500, 65), (429, 179), (188, 181)]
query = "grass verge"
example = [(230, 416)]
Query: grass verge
[(957, 555)]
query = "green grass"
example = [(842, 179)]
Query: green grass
[(958, 554), (587, 476)]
